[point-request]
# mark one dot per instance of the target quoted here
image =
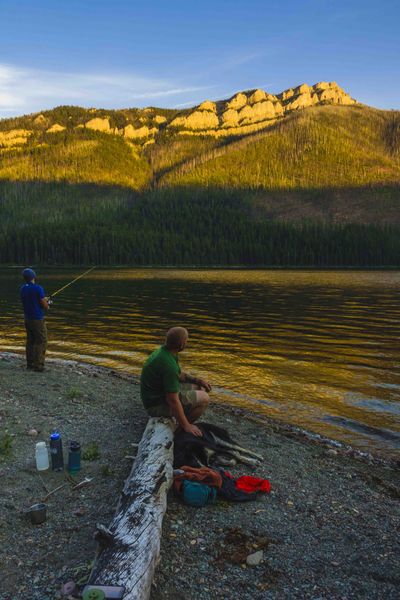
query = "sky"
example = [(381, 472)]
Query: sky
[(175, 53)]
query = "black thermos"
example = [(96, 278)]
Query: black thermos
[(56, 453)]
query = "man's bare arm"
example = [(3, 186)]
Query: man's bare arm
[(44, 303), (177, 411)]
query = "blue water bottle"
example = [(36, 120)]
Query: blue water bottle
[(74, 457), (56, 452)]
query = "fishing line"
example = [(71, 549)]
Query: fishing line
[(70, 283)]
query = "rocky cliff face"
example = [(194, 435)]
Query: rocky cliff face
[(244, 113), (14, 137), (256, 108)]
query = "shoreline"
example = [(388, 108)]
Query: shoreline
[(282, 427), (329, 528), (217, 267)]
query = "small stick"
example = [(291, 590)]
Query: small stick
[(55, 490), (85, 481)]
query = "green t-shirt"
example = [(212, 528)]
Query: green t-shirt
[(160, 375)]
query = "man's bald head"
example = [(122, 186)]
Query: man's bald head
[(176, 338)]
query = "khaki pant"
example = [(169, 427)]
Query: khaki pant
[(187, 396), (36, 343)]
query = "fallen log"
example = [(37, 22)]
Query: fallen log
[(129, 548)]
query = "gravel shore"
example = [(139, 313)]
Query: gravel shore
[(328, 530)]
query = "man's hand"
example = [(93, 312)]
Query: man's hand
[(204, 384), (193, 430), (174, 402), (44, 303)]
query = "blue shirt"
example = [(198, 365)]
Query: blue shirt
[(31, 294)]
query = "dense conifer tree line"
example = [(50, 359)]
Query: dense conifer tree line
[(86, 224)]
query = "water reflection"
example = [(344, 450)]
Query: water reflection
[(320, 349)]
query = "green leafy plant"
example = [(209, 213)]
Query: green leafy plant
[(105, 470), (82, 572), (73, 393), (6, 443), (91, 452)]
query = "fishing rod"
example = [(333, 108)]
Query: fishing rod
[(70, 283)]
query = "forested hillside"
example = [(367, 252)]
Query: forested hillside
[(82, 224), (318, 186), (319, 147)]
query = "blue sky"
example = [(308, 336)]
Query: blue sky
[(176, 53)]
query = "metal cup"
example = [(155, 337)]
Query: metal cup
[(37, 513)]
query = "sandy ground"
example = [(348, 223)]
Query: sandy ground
[(328, 530)]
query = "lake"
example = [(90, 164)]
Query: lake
[(320, 349)]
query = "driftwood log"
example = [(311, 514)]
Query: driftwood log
[(129, 548)]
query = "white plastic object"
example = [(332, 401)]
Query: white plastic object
[(42, 456)]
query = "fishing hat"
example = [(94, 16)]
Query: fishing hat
[(28, 274)]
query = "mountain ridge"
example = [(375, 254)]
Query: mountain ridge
[(244, 112)]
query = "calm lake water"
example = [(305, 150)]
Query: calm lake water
[(320, 349)]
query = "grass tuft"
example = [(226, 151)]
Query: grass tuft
[(6, 444)]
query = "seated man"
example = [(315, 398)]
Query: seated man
[(168, 392)]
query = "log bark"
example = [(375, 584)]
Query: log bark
[(129, 548)]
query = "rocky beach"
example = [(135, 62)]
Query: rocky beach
[(328, 529)]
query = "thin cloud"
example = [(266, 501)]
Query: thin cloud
[(229, 61), (186, 104), (174, 92), (241, 59), (29, 90)]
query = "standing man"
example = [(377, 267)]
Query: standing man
[(168, 392), (35, 304)]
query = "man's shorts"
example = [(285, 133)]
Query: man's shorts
[(187, 396)]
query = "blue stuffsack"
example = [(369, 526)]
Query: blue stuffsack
[(197, 494)]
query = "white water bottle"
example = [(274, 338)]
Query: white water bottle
[(42, 456)]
